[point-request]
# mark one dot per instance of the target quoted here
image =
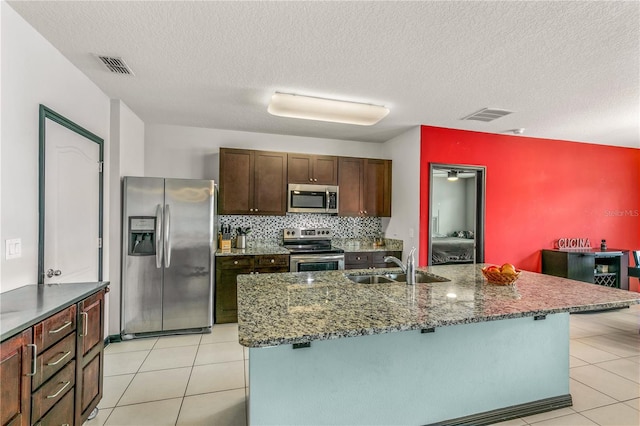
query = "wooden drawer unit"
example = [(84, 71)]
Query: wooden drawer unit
[(234, 262), (357, 260), (53, 391), (53, 360), (370, 259), (271, 261), (51, 373), (60, 414), (54, 328)]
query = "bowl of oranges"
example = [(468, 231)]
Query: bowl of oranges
[(506, 274)]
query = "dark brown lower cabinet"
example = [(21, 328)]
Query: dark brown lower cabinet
[(370, 259), (227, 270), (15, 365), (90, 355), (52, 372)]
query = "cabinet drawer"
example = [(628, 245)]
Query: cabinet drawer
[(357, 258), (54, 359), (53, 391), (272, 260), (54, 328), (60, 414), (234, 262)]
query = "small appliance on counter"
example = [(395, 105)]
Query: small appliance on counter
[(311, 250)]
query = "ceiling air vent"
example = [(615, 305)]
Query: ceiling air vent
[(115, 65), (487, 114)]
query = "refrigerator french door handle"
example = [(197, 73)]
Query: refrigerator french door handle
[(167, 236), (159, 236)]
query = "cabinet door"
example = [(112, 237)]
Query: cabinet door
[(226, 295), (350, 181), (325, 170), (90, 355), (15, 365), (377, 188), (300, 168), (357, 260), (236, 181), (270, 184)]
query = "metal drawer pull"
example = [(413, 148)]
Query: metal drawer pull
[(64, 355), (34, 360), (85, 324), (59, 391), (58, 330)]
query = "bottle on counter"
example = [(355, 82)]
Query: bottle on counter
[(603, 245)]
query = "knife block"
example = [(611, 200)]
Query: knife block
[(224, 245)]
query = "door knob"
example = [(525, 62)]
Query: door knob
[(51, 273)]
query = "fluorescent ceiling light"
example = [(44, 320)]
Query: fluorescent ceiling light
[(452, 175), (310, 108)]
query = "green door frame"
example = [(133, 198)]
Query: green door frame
[(47, 113)]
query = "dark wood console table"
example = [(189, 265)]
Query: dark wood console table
[(603, 267)]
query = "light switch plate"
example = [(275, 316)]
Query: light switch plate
[(13, 248)]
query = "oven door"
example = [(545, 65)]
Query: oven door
[(316, 262)]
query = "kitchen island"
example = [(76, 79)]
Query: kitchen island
[(324, 350)]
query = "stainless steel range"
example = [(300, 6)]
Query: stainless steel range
[(311, 250)]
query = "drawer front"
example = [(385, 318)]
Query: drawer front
[(55, 328), (60, 414), (272, 270), (54, 359), (357, 258), (234, 262), (272, 260), (53, 391)]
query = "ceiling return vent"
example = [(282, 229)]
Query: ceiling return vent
[(115, 65), (487, 114)]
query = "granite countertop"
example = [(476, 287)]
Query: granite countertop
[(25, 306), (277, 309), (254, 251), (366, 244)]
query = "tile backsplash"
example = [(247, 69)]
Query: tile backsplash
[(269, 228)]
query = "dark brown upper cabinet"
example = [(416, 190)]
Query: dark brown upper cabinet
[(365, 187), (252, 182), (313, 169)]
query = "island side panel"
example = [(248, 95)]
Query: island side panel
[(411, 377)]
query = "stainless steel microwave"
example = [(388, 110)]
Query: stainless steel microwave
[(303, 198)]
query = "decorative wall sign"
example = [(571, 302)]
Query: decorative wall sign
[(573, 243)]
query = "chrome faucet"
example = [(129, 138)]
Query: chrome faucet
[(410, 269)]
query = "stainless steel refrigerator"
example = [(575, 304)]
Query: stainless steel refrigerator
[(167, 256)]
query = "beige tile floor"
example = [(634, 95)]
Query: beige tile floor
[(201, 379)]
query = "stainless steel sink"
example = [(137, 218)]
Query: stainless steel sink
[(421, 277), (369, 279)]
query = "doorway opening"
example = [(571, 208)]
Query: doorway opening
[(456, 214)]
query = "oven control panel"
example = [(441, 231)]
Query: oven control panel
[(307, 234)]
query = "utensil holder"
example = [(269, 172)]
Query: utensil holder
[(241, 241)]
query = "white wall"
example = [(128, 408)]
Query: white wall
[(127, 159), (192, 152), (33, 72), (404, 151)]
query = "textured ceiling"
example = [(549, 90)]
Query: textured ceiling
[(568, 70)]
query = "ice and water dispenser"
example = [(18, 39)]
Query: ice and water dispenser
[(142, 235)]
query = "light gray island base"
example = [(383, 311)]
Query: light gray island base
[(323, 350)]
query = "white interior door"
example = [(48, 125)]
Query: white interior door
[(72, 206)]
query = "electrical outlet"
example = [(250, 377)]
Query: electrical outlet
[(13, 248)]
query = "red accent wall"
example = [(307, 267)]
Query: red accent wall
[(539, 190)]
